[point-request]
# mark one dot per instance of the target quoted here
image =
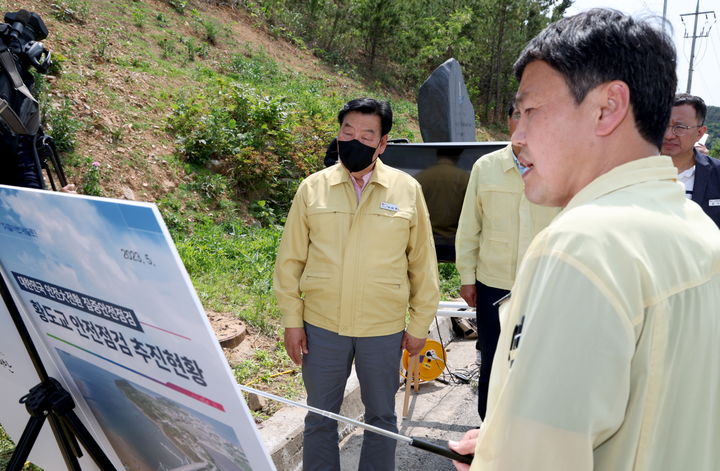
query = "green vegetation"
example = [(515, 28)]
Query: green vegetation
[(449, 280), (231, 266), (251, 134), (6, 450), (712, 121), (399, 42), (71, 10), (91, 182), (266, 127), (62, 126)]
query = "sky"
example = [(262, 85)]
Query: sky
[(706, 68)]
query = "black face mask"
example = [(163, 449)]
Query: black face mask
[(355, 155)]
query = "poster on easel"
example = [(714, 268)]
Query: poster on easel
[(114, 316)]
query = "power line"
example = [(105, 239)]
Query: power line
[(695, 35), (715, 49), (699, 56)]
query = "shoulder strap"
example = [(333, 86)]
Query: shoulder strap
[(7, 62), (11, 119)]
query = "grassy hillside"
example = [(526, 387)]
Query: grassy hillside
[(125, 64)]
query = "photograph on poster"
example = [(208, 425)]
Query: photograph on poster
[(101, 280), (149, 431)]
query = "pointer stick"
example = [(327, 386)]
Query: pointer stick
[(412, 441)]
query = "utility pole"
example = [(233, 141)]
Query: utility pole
[(703, 34)]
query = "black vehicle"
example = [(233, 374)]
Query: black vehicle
[(413, 157)]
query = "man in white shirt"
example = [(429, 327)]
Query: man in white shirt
[(605, 357), (696, 170)]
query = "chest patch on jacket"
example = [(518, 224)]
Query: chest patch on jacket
[(389, 207)]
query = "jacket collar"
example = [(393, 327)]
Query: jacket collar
[(508, 161), (381, 174), (631, 173), (701, 159), (702, 175)]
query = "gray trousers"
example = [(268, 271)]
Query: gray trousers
[(325, 371)]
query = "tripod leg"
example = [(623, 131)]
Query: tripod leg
[(22, 450), (72, 441), (65, 444), (73, 423)]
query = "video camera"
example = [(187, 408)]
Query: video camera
[(27, 150), (21, 33)]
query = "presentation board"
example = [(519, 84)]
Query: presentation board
[(114, 316)]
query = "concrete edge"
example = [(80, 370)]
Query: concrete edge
[(282, 433)]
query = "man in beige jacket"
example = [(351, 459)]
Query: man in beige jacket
[(356, 256), (496, 226), (606, 355)]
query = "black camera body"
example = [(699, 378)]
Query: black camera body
[(21, 33), (27, 24)]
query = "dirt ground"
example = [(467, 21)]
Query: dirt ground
[(237, 341)]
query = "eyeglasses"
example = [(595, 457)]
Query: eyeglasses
[(680, 129)]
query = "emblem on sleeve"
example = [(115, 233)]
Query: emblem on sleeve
[(515, 342)]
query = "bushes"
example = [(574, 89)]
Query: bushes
[(258, 68), (262, 142), (264, 127), (62, 126)]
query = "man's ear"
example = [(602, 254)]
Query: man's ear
[(614, 107), (382, 145), (701, 131)]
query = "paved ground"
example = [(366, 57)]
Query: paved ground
[(438, 412)]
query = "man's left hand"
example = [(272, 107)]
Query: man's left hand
[(466, 446), (702, 149), (412, 344), (69, 188)]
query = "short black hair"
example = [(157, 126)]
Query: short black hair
[(694, 101), (370, 106), (511, 108), (601, 45), (331, 153)]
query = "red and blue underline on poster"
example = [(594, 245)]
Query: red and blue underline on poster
[(165, 330), (167, 384)]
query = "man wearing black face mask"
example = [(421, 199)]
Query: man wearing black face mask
[(356, 256)]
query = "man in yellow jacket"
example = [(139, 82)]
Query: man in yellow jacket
[(355, 258), (496, 226), (606, 358)]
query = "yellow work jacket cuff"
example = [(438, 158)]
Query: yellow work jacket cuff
[(292, 321)]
